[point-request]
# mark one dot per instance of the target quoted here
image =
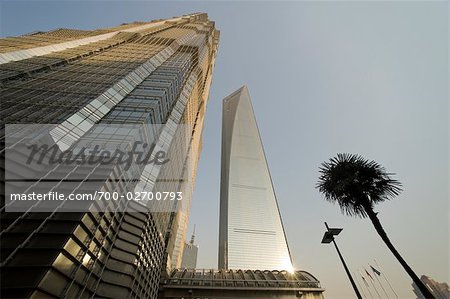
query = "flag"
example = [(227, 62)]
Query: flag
[(368, 274), (365, 282), (375, 271)]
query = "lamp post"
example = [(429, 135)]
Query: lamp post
[(328, 237)]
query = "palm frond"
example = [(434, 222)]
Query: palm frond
[(356, 183)]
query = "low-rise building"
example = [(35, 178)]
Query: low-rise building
[(222, 284)]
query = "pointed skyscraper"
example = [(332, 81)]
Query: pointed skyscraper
[(251, 233)]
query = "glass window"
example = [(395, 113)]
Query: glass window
[(64, 264), (72, 247), (53, 283)]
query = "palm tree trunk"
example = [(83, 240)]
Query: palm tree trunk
[(379, 228)]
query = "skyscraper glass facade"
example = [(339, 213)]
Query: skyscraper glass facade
[(251, 234), (155, 72)]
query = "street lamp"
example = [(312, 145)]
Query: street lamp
[(328, 237)]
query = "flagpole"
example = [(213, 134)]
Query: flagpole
[(359, 286), (366, 284), (376, 275), (385, 278), (371, 281)]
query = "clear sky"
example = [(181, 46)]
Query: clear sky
[(325, 77)]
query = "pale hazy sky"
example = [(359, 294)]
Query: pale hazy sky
[(325, 77)]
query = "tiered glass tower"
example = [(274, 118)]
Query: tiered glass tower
[(251, 234), (156, 72)]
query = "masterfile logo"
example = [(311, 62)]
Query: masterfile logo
[(128, 166)]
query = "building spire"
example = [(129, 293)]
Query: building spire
[(193, 236)]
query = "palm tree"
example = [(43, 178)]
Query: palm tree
[(357, 184)]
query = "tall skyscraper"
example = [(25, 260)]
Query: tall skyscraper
[(190, 251), (156, 72), (251, 233)]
